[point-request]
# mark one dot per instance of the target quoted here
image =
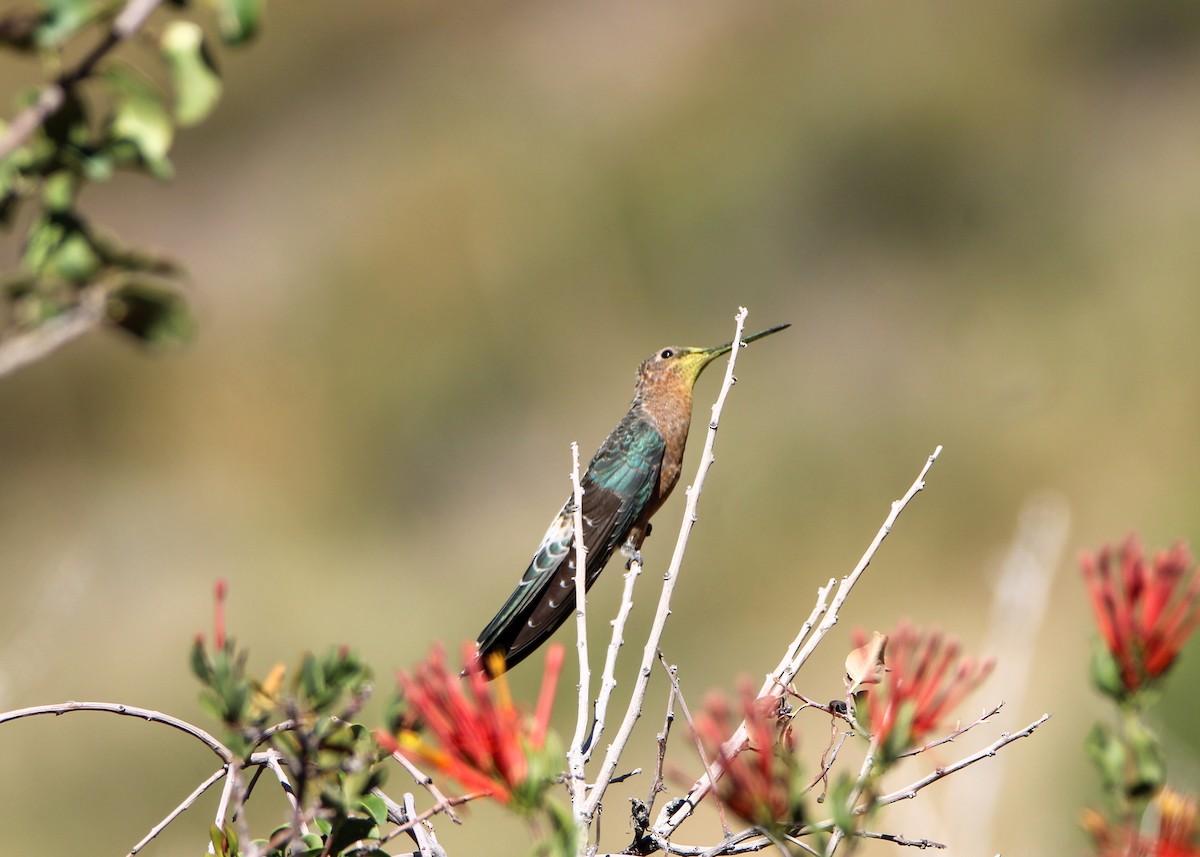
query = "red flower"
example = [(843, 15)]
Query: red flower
[(1176, 835), (1142, 610), (760, 781), (925, 677), (480, 738)]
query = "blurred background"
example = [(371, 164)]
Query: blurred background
[(431, 243)]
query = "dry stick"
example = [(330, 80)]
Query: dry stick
[(897, 839), (608, 682), (801, 648), (634, 711), (910, 791), (177, 811), (677, 692), (424, 780), (576, 777), (856, 790), (223, 752), (231, 783), (427, 844), (298, 822), (658, 785), (987, 715), (442, 806)]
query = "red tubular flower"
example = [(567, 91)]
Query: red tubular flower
[(1176, 835), (926, 676), (1143, 612), (760, 782), (479, 737)]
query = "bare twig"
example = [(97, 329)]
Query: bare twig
[(803, 646), (897, 839), (441, 806), (576, 777), (427, 844), (228, 798), (634, 710), (910, 791), (223, 753), (608, 682), (298, 823), (177, 811), (987, 715), (658, 785), (32, 345), (425, 781), (864, 773)]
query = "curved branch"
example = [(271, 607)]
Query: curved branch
[(223, 753)]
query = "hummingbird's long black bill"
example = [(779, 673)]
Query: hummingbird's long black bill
[(721, 349)]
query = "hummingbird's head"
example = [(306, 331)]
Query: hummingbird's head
[(683, 365)]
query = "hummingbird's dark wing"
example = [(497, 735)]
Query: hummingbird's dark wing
[(617, 486)]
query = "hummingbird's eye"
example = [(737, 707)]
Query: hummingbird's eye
[(667, 354)]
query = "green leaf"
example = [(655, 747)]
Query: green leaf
[(59, 191), (841, 807), (1108, 754), (151, 314), (193, 73), (376, 807), (1106, 672), (239, 19), (61, 19), (58, 245), (349, 831), (140, 119)]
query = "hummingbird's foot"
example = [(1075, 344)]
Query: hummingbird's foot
[(649, 529), (631, 554)]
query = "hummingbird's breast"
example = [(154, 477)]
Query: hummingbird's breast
[(669, 406)]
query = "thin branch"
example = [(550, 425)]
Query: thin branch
[(427, 844), (856, 790), (441, 806), (634, 711), (987, 715), (177, 811), (223, 753), (425, 781), (910, 791), (298, 823), (32, 345), (672, 673), (127, 22), (576, 777), (608, 682), (658, 785), (233, 769), (897, 839), (803, 645)]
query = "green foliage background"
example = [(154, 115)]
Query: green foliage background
[(431, 243)]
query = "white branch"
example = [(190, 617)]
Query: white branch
[(608, 682), (650, 652), (576, 777), (802, 647), (177, 811)]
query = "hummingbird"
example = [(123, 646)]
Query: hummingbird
[(628, 480)]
